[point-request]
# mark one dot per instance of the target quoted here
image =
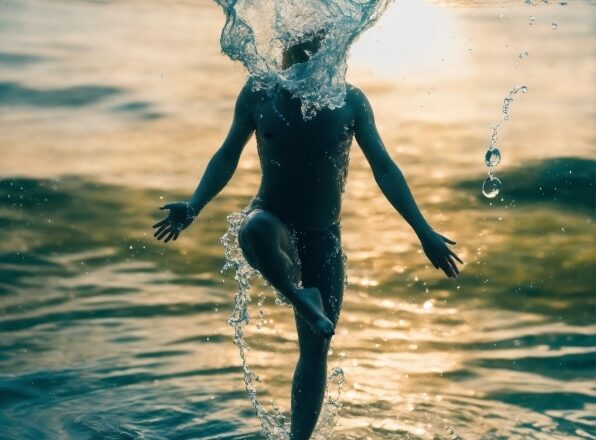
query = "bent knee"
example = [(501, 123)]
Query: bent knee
[(257, 227)]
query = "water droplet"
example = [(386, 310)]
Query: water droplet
[(492, 158), (524, 54), (532, 18), (523, 89), (555, 26), (491, 187)]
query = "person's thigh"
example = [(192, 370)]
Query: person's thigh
[(262, 228)]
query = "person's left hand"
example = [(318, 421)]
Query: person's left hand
[(181, 215), (441, 256)]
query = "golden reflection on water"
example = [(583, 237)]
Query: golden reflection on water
[(417, 350)]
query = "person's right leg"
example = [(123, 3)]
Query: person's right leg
[(267, 246), (322, 267)]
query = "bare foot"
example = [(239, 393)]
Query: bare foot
[(309, 306)]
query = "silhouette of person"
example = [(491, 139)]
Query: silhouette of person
[(291, 234)]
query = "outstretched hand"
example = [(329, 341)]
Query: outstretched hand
[(181, 215), (440, 255)]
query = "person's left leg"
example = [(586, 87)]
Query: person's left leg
[(322, 266)]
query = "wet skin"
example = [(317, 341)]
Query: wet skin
[(291, 234), (304, 163)]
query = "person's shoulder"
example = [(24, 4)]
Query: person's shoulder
[(356, 99), (248, 96), (250, 91), (354, 92)]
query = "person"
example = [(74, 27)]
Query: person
[(291, 234)]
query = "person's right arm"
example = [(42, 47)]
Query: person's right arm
[(218, 173), (222, 165)]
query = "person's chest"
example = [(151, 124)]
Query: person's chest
[(282, 132)]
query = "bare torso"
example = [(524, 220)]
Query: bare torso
[(304, 163)]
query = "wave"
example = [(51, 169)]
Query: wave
[(563, 182)]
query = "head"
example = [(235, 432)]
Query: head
[(303, 49)]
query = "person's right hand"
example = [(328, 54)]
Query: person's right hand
[(181, 215)]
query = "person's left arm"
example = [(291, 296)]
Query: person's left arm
[(393, 184)]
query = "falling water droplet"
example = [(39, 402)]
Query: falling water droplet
[(532, 18), (491, 187), (555, 26), (492, 157), (524, 54)]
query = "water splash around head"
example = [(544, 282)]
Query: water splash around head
[(259, 34)]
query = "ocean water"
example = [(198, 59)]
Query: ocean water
[(108, 109)]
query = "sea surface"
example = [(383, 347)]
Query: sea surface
[(110, 108)]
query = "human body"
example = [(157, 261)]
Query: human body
[(291, 234)]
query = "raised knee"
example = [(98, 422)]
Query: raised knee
[(256, 227)]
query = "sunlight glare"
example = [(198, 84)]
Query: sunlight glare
[(412, 35)]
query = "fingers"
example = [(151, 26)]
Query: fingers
[(453, 264), (446, 267), (455, 256), (170, 235), (165, 229), (163, 233), (434, 262), (160, 229), (445, 259), (448, 240), (161, 222), (168, 232)]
